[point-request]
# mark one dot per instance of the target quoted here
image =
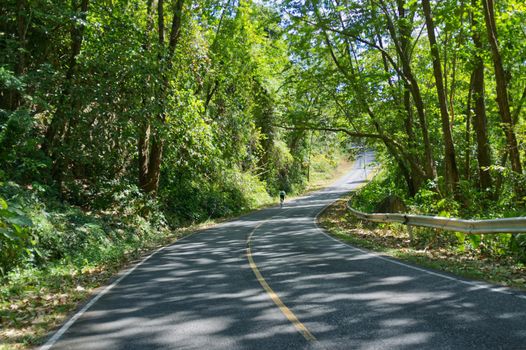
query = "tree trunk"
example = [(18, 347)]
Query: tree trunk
[(151, 184), (408, 172), (502, 92), (396, 150), (144, 131), (480, 120), (480, 126), (59, 124), (20, 67), (144, 153), (467, 170), (451, 171), (405, 35), (11, 99), (151, 142), (402, 46)]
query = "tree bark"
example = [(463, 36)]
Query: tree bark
[(451, 170), (20, 67), (502, 91), (402, 46), (480, 120), (144, 153), (416, 176), (151, 141), (467, 169), (144, 131), (480, 126), (405, 35), (151, 184), (58, 123), (409, 79)]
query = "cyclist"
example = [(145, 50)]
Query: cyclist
[(281, 198)]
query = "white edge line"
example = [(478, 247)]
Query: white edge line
[(51, 341), (479, 285)]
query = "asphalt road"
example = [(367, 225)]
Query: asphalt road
[(274, 280)]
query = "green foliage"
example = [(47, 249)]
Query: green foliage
[(16, 241), (80, 91), (517, 244), (279, 165), (381, 186), (429, 202), (9, 81), (47, 231), (116, 130), (19, 148), (217, 193)]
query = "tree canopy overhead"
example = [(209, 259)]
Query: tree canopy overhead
[(431, 81), (168, 95)]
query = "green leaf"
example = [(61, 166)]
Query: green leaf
[(7, 233), (475, 240), (19, 220)]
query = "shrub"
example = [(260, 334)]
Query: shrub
[(17, 243)]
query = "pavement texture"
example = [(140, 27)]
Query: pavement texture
[(202, 293)]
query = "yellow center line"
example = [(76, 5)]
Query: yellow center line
[(275, 298)]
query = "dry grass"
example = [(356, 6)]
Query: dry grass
[(323, 180)]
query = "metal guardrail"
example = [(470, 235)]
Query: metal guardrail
[(506, 225)]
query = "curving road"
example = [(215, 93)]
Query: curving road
[(274, 280)]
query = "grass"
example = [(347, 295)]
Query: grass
[(431, 248)]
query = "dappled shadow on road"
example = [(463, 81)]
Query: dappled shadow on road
[(351, 299), (201, 294), (197, 294)]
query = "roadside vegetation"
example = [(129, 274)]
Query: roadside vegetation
[(494, 258)]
